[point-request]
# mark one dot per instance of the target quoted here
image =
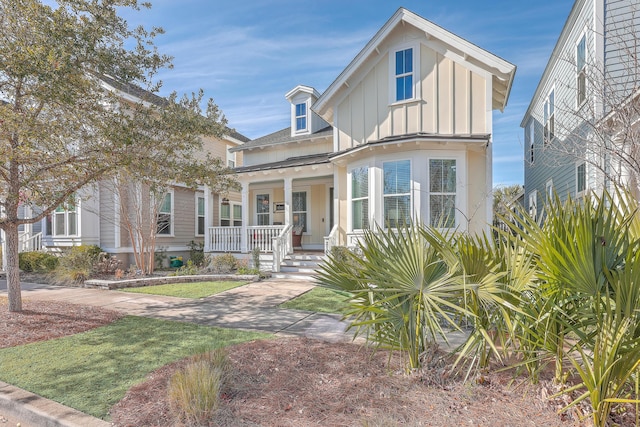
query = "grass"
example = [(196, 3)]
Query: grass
[(319, 300), (187, 290), (92, 371)]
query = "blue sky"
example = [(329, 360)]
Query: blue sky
[(246, 54)]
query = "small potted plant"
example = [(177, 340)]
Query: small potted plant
[(296, 237)]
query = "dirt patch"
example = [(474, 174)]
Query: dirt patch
[(45, 320), (302, 382)]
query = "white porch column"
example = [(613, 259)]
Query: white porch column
[(208, 218), (287, 200), (244, 247)]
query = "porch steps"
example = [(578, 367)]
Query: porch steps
[(300, 266)]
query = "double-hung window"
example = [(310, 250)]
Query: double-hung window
[(442, 193), (301, 116), (231, 158), (397, 193), (532, 140), (299, 209), (581, 178), (404, 74), (165, 215), (549, 117), (64, 220), (360, 198), (263, 214), (199, 216), (581, 69), (533, 205), (230, 214)]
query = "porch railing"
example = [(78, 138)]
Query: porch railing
[(225, 239), (354, 238), (261, 236), (28, 243), (331, 240), (281, 247)]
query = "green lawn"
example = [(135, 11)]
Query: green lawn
[(319, 300), (187, 290), (92, 371)]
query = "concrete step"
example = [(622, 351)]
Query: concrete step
[(296, 263), (298, 269), (292, 275)]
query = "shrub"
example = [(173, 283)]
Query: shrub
[(223, 264), (243, 267), (196, 252), (106, 264), (194, 391), (37, 262), (77, 264), (188, 269)]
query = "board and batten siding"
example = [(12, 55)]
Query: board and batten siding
[(280, 152), (452, 101), (621, 45)]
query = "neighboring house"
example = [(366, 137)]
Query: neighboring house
[(593, 70), (92, 217), (403, 134)]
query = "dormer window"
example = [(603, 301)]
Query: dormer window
[(404, 74), (301, 117)]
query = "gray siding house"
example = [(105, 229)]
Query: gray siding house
[(593, 68)]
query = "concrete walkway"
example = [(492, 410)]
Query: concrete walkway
[(251, 307)]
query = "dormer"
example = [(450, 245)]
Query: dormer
[(303, 120)]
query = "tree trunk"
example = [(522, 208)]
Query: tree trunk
[(12, 268)]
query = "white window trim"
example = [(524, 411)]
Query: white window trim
[(586, 186), (533, 205), (410, 193), (233, 218), (172, 222), (306, 117), (460, 207), (548, 189), (416, 73), (583, 71), (307, 190), (231, 157), (532, 140), (255, 206), (65, 214), (200, 196), (350, 197), (547, 139)]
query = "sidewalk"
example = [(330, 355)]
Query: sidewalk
[(251, 307)]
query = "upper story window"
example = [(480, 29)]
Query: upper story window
[(165, 216), (581, 75), (532, 140), (549, 117), (397, 193), (549, 190), (404, 74), (301, 116), (231, 158), (360, 198), (533, 205), (581, 179), (442, 193)]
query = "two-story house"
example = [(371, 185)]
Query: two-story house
[(94, 215), (404, 133), (578, 128)]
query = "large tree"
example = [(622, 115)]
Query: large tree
[(62, 127)]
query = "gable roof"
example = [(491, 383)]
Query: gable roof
[(503, 71), (282, 136)]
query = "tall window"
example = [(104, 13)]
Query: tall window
[(581, 76), (360, 198), (299, 209), (237, 215), (442, 189), (397, 193), (549, 117), (199, 216), (581, 178), (164, 215), (549, 190), (63, 221), (230, 214), (231, 158), (531, 141), (301, 116), (533, 205), (263, 209), (404, 74)]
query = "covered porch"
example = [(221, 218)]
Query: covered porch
[(282, 209)]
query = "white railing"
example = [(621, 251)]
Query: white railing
[(261, 236), (331, 240), (281, 247), (225, 239), (354, 238), (28, 243)]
